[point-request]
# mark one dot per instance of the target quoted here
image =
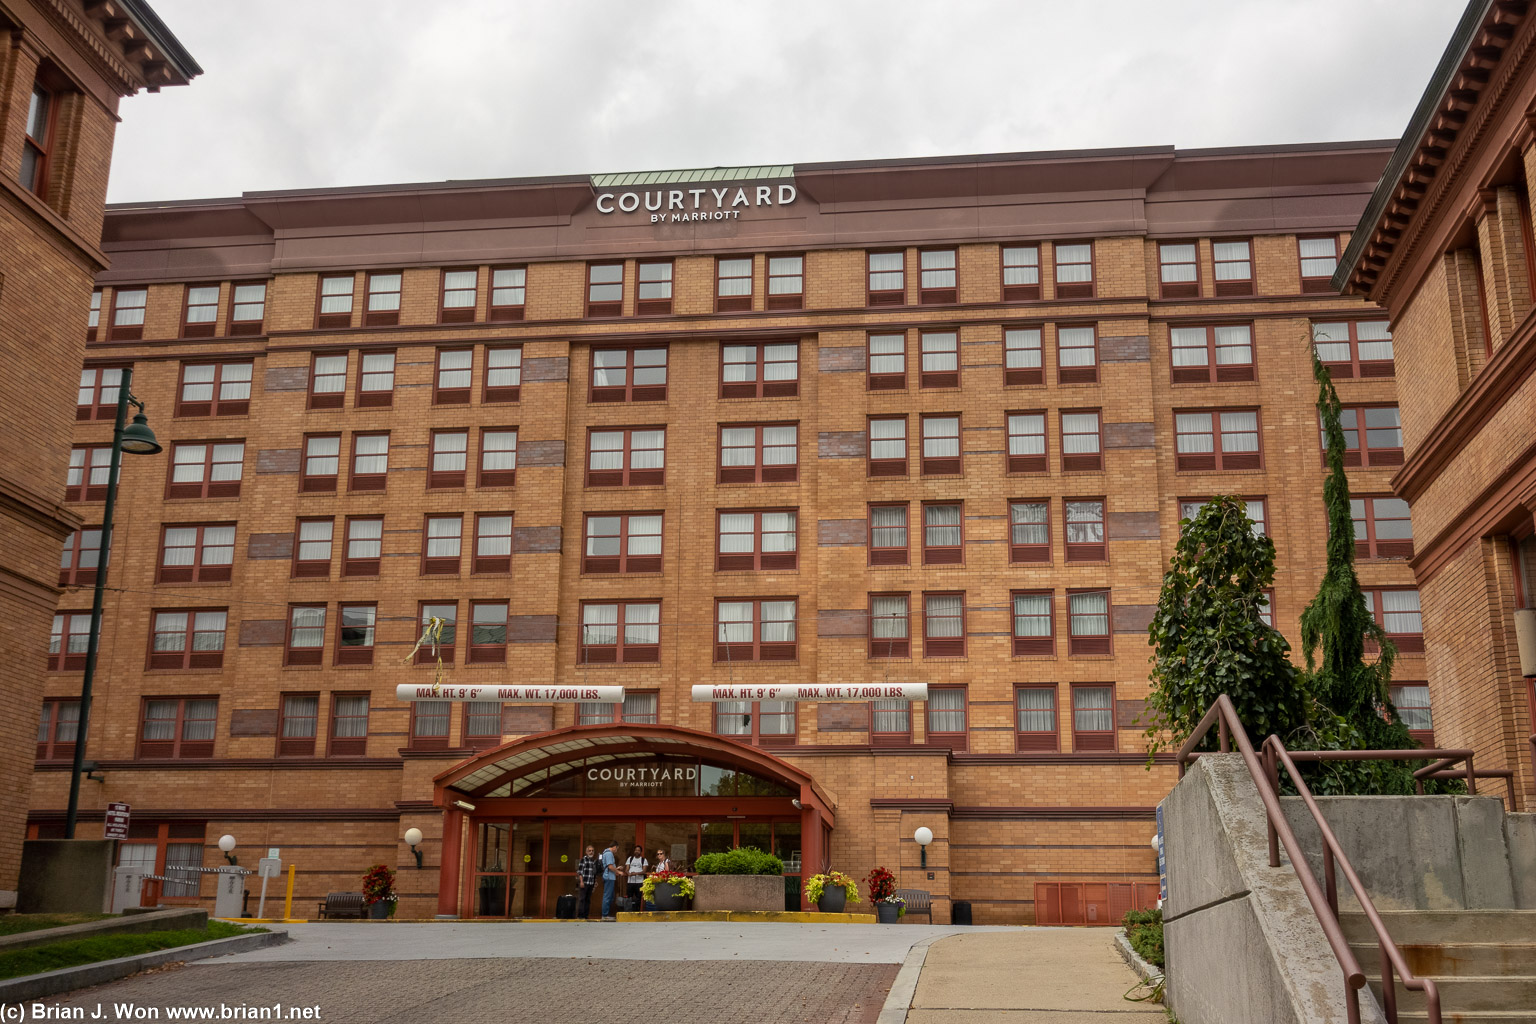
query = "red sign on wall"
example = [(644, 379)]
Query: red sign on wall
[(117, 821)]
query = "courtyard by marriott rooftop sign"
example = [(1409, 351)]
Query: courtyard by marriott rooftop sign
[(681, 205), (870, 691)]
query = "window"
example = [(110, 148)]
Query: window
[(654, 284), (1196, 439), (638, 709), (1029, 531), (354, 640), (97, 398), (733, 284), (450, 455), (760, 370), (1085, 530), (327, 381), (482, 724), (298, 723), (1021, 273), (365, 543), (890, 626), (1035, 719), (942, 534), (786, 282), (759, 454), (376, 381), (888, 534), (605, 289), (447, 638), (1179, 269), (1267, 608), (455, 373), (1093, 718), (196, 554), (629, 375), (1026, 442), (461, 290), (755, 540), (370, 462), (755, 630), (509, 291), (1221, 353), (1397, 612), (1354, 348), (200, 312), (1382, 527), (335, 306), (503, 374), (1319, 258), (322, 463), (1088, 620), (1081, 445), (936, 276), (1074, 270), (68, 643), (1383, 436), (488, 639), (1234, 266), (628, 632), (312, 548), (208, 470), (57, 730), (81, 557), (498, 457), (943, 625), (623, 542), (188, 638), (383, 300), (941, 445), (890, 722), (88, 471), (632, 455), (941, 359), (429, 724), (248, 308), (36, 147), (1412, 703), (349, 724), (93, 321), (887, 279), (1077, 355), (764, 723), (888, 446), (178, 727), (128, 314), (493, 543), (444, 543), (887, 362), (1189, 508), (1022, 357), (152, 848), (1034, 623), (214, 389)]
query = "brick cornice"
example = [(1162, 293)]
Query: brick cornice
[(44, 513), (49, 224), (1484, 514)]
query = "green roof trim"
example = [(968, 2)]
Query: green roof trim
[(702, 174)]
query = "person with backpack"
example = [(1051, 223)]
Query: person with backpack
[(636, 866)]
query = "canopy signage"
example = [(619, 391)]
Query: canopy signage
[(881, 691), (645, 776), (686, 205), (513, 694)]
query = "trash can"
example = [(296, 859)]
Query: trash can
[(960, 912)]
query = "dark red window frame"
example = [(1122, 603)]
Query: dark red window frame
[(1032, 645), (626, 476), (606, 306), (951, 738), (654, 305), (619, 652), (1232, 285), (239, 324), (438, 478), (85, 490), (1371, 546), (197, 572), (492, 565), (356, 654), (178, 746), (1218, 459), (1178, 289), (756, 559), (330, 398), (297, 746), (217, 405), (1406, 643), (725, 710), (1424, 736), (453, 394), (1021, 290), (1037, 741), (759, 386), (74, 551), (207, 487), (1354, 366), (313, 483), (758, 472), (1211, 370), (891, 647), (939, 293), (362, 565), (1024, 375), (1029, 553), (1027, 462), (496, 477), (480, 652), (884, 296), (1094, 740), (384, 316), (942, 465), (474, 720), (313, 568), (367, 481), (890, 554), (99, 407), (1363, 454), (1088, 550), (49, 746), (309, 654), (888, 737), (441, 565), (458, 314), (1080, 462), (945, 378), (943, 646), (734, 302), (1091, 643), (131, 331), (347, 746), (623, 562), (1073, 289), (758, 650), (37, 149), (199, 328), (629, 391), (335, 319), (885, 467), (884, 380), (71, 625), (1316, 283), (375, 398), (93, 320), (943, 554), (430, 711), (1077, 374), (785, 300), (502, 392), (501, 312), (188, 657), (448, 644)]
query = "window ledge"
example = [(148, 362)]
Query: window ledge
[(188, 583)]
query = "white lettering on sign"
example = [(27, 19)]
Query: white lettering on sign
[(872, 691), (678, 206), (116, 826), (644, 776), (513, 694)]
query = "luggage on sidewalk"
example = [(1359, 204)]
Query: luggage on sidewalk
[(565, 907), (627, 904)]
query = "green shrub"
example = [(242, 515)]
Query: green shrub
[(1144, 931), (744, 860)]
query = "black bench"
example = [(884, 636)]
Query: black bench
[(343, 904), (919, 901)]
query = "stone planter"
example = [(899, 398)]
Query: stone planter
[(887, 913), (378, 911), (738, 892), (833, 899), (667, 896)]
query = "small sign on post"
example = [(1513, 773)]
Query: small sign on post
[(117, 822), (267, 867)]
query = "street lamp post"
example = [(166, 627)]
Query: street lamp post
[(135, 439)]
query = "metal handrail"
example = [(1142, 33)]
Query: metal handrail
[(1230, 729)]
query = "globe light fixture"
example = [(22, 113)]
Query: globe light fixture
[(413, 840), (923, 836), (227, 845)]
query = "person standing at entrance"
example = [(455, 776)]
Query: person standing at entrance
[(636, 866), (610, 878), (586, 877)]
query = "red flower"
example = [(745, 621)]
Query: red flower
[(881, 883)]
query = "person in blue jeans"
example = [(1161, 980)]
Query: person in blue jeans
[(610, 878)]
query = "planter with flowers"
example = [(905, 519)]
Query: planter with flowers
[(882, 892), (832, 891), (667, 890), (379, 892)]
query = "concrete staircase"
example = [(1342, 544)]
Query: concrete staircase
[(1482, 961)]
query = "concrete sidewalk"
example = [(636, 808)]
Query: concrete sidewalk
[(1025, 976)]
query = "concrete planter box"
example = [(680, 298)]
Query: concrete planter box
[(738, 892)]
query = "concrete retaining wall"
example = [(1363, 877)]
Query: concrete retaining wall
[(738, 892), (66, 876), (136, 924)]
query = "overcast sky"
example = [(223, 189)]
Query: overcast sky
[(352, 92)]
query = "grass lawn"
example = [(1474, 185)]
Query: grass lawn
[(13, 924), (108, 947)]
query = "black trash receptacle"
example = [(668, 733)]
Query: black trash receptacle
[(960, 912)]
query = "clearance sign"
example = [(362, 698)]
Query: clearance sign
[(615, 694), (881, 691)]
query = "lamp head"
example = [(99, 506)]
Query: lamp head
[(923, 835), (226, 843), (412, 837), (138, 439)]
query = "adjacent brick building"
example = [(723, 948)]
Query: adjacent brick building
[(63, 67), (842, 424)]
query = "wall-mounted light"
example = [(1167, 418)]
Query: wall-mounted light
[(413, 840), (227, 845), (464, 805), (796, 804), (91, 768), (923, 836)]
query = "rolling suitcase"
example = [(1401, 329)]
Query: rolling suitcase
[(627, 904), (565, 907)]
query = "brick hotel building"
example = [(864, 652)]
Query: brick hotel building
[(896, 421)]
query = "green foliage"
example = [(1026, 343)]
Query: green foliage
[(683, 883), (21, 962), (743, 860), (14, 924), (1144, 931), (1207, 636), (818, 884)]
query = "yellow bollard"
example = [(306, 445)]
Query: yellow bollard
[(288, 903)]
